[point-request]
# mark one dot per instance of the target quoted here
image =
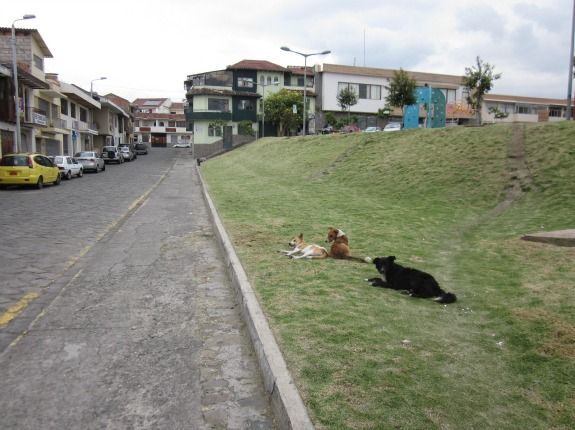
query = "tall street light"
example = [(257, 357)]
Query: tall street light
[(92, 85), (17, 142), (264, 104), (285, 48), (569, 111)]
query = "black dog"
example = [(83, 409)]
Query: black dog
[(412, 281)]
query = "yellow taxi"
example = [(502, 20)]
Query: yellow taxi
[(28, 169)]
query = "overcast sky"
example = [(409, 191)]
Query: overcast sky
[(147, 48)]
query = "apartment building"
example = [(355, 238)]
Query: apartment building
[(39, 111), (111, 122), (218, 101), (160, 122)]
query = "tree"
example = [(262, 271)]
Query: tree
[(346, 99), (479, 80), (401, 90), (279, 110)]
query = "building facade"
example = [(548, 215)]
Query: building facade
[(218, 101), (160, 122)]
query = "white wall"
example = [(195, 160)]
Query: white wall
[(329, 92)]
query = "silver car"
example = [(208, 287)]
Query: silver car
[(90, 160)]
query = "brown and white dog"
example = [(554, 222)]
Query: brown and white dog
[(340, 246), (300, 249)]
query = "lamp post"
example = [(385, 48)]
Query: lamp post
[(285, 48), (264, 104), (569, 111), (17, 141), (92, 85)]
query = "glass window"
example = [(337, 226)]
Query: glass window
[(83, 114), (72, 110), (246, 104), (269, 80), (222, 105), (39, 62), (245, 82), (64, 106)]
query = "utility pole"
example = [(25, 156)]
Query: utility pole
[(569, 110)]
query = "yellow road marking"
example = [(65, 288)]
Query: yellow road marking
[(14, 310)]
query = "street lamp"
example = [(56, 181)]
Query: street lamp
[(17, 141), (264, 104), (285, 48), (92, 85)]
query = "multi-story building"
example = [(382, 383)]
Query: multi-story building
[(218, 101), (39, 111), (129, 109), (370, 86), (78, 110), (160, 122)]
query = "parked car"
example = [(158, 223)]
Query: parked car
[(141, 148), (28, 169), (328, 129), (350, 129), (68, 166), (111, 154), (182, 145), (91, 161), (392, 126), (127, 153), (372, 129)]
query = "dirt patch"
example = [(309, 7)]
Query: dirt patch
[(560, 339)]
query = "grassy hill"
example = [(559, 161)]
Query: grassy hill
[(453, 202)]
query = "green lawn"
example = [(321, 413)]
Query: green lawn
[(501, 357)]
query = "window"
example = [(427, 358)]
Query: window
[(276, 80), (556, 112), (83, 114), (262, 79), (146, 138), (300, 82), (64, 106), (246, 104), (523, 109), (171, 123), (180, 123), (222, 105), (39, 62), (269, 80), (72, 110), (214, 130), (245, 82), (353, 87)]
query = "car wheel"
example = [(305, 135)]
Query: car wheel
[(58, 180), (40, 183), (69, 175), (81, 173)]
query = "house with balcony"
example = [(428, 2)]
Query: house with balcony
[(159, 122), (78, 111), (370, 86), (40, 129), (218, 101), (110, 121)]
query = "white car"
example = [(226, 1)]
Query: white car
[(68, 166), (392, 126), (182, 145), (372, 130)]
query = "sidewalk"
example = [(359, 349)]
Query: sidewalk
[(146, 333)]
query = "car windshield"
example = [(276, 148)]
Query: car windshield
[(14, 160), (84, 154), (58, 160), (140, 146)]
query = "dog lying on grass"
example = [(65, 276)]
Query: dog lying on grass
[(300, 249), (414, 282)]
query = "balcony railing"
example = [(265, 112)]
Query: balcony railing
[(205, 114)]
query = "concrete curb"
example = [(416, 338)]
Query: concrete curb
[(287, 405)]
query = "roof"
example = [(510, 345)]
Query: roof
[(298, 70), (35, 35), (388, 73), (149, 102), (523, 99), (177, 105), (257, 65)]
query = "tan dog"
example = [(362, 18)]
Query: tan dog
[(302, 250), (340, 246)]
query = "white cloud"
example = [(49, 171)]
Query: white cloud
[(147, 48)]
